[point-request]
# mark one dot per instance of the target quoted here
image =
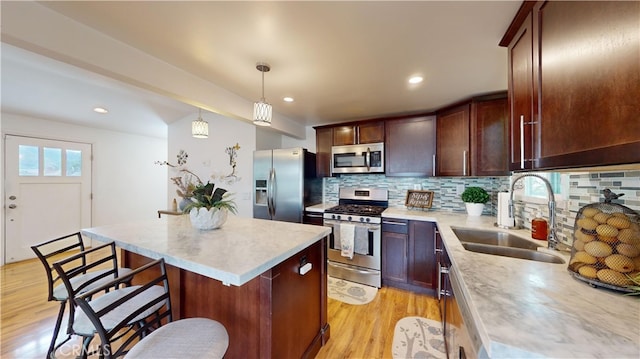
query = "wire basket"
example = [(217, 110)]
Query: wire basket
[(606, 245)]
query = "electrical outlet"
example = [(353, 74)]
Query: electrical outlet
[(459, 189)]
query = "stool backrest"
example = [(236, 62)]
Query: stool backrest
[(50, 251), (113, 343), (100, 262)]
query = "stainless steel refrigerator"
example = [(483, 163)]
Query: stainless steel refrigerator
[(284, 184)]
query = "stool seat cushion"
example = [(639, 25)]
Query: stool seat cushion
[(185, 338), (82, 324), (60, 291)]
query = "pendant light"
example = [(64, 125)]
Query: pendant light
[(261, 109), (200, 127)]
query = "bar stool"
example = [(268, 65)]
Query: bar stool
[(193, 337), (62, 247)]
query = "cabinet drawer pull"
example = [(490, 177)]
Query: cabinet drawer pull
[(394, 223)]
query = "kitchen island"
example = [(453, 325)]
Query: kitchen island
[(246, 275), (526, 309)]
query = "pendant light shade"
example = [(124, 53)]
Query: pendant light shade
[(262, 110), (200, 127)]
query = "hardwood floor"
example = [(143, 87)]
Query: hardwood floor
[(357, 331), (366, 331)]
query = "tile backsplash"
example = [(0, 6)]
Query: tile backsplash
[(583, 187)]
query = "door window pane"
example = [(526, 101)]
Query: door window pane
[(28, 164), (52, 161), (74, 163)]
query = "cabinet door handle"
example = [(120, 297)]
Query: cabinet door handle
[(433, 171), (521, 142), (464, 163), (356, 135)]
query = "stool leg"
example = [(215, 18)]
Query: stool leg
[(56, 330)]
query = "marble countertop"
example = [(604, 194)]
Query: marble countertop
[(239, 251), (529, 309), (320, 207)]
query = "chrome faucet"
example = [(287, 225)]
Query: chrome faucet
[(552, 239)]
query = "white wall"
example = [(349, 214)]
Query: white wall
[(268, 139), (207, 156), (126, 184), (309, 142)]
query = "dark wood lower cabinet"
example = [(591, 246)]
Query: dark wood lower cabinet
[(279, 314), (408, 255), (422, 256)]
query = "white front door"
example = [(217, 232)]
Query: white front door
[(47, 192)]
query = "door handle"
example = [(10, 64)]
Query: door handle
[(12, 206), (367, 159), (464, 163), (274, 192), (433, 170)]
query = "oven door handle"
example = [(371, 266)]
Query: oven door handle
[(350, 268)]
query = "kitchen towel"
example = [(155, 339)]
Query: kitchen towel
[(347, 234), (503, 210), (361, 240)]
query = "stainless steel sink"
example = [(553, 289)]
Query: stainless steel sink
[(513, 252), (494, 238), (502, 244)]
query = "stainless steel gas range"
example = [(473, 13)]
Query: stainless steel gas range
[(356, 220)]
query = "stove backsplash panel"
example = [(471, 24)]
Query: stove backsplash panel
[(584, 188)]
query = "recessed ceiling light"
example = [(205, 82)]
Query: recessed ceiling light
[(100, 110), (415, 80), (288, 99)]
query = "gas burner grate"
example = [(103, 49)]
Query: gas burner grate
[(357, 209)]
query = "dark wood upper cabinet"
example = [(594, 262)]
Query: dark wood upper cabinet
[(472, 137), (489, 153), (521, 96), (366, 132), (452, 153), (324, 141), (410, 146), (584, 63)]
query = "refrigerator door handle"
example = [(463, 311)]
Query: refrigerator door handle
[(269, 192), (274, 192)]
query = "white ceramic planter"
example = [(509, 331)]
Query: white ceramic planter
[(203, 218), (474, 209)]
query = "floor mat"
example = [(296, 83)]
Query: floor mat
[(350, 292), (417, 337)]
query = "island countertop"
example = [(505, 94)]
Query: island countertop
[(528, 309), (239, 251)]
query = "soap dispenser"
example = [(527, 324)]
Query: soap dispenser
[(539, 227)]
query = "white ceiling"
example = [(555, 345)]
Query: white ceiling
[(339, 60)]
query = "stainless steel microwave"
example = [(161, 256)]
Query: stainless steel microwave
[(364, 158)]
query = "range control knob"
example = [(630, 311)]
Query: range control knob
[(349, 218), (338, 217), (362, 219), (333, 216), (368, 219)]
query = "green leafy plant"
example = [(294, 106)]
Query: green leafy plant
[(203, 195), (475, 195)]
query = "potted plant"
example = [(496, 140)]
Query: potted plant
[(208, 209), (474, 199)]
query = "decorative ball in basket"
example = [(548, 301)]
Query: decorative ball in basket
[(606, 245)]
